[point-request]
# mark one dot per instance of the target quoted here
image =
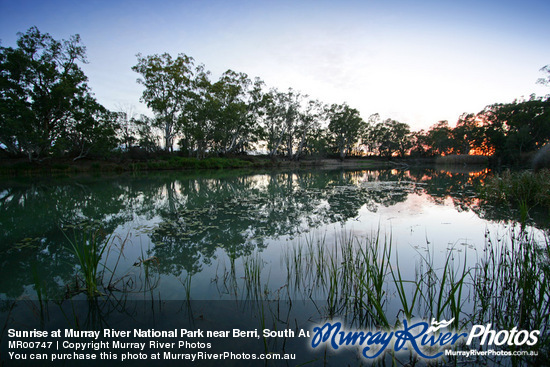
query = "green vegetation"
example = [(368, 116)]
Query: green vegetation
[(48, 111), (525, 188), (191, 163), (357, 277), (511, 287), (46, 107), (361, 281), (164, 163), (89, 246)]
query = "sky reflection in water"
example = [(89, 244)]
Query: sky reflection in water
[(180, 225)]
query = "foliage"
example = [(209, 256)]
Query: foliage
[(93, 131), (521, 300), (518, 127), (44, 95), (168, 83), (440, 138), (47, 109), (345, 125), (546, 80), (234, 99), (89, 247), (390, 138), (517, 188), (506, 131)]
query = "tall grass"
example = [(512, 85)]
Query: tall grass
[(359, 277), (511, 285), (524, 188), (362, 281), (89, 246)]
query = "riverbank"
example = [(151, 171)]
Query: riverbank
[(22, 167)]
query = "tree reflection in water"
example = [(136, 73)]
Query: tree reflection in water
[(188, 219)]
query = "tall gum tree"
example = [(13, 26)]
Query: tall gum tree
[(310, 120), (168, 85), (234, 115), (345, 125), (40, 84)]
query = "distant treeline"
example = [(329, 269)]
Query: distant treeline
[(48, 110)]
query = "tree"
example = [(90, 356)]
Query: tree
[(368, 138), (274, 127), (439, 138), (345, 125), (168, 85), (281, 112), (196, 122), (517, 127), (419, 143), (546, 80), (392, 137), (309, 122), (468, 136), (41, 85), (92, 130), (235, 101), (128, 129), (148, 134)]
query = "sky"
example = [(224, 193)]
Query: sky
[(417, 62)]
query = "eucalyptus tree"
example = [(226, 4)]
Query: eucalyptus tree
[(468, 135), (309, 123), (369, 137), (128, 129), (168, 85), (196, 122), (274, 127), (512, 129), (397, 139), (291, 103), (41, 85), (236, 100), (91, 130), (147, 133), (281, 120), (388, 137), (346, 126), (439, 138)]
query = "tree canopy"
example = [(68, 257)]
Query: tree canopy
[(47, 109), (45, 101)]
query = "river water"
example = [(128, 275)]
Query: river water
[(279, 250), (191, 229)]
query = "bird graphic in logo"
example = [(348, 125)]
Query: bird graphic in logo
[(439, 325)]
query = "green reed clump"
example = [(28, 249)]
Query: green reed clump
[(363, 281), (358, 278), (520, 189), (252, 267), (89, 246), (511, 285)]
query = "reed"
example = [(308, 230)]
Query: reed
[(360, 277), (89, 246), (524, 189), (511, 285)]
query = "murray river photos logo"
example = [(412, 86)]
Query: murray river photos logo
[(427, 340)]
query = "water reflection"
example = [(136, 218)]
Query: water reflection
[(187, 220)]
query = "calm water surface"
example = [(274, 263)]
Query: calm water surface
[(180, 235)]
